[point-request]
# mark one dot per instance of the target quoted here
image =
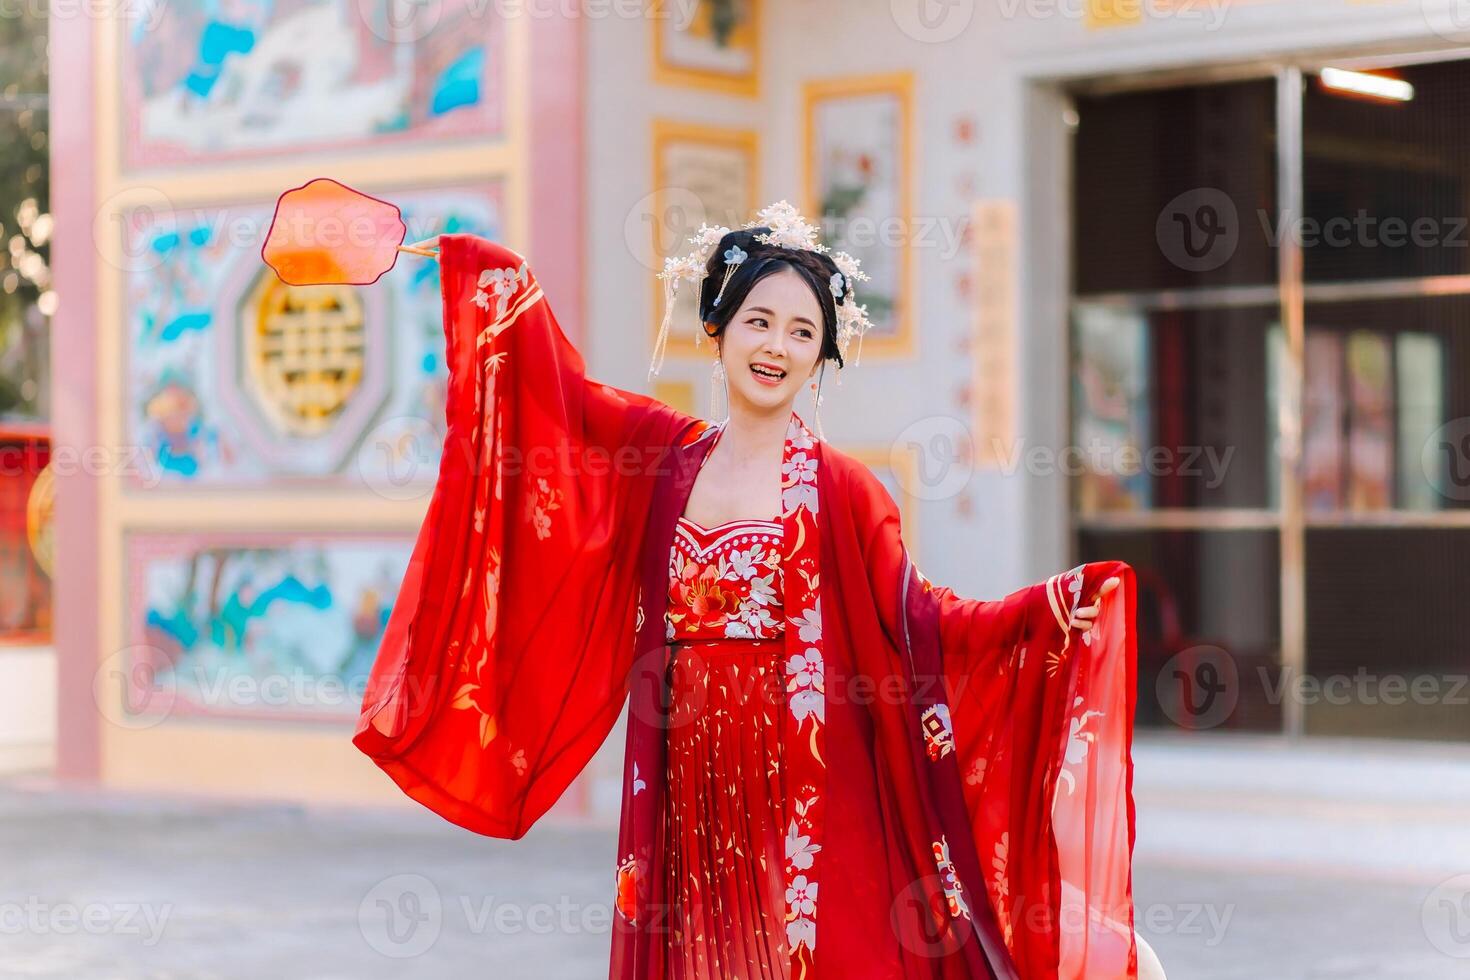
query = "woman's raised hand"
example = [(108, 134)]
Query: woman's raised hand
[(1085, 616)]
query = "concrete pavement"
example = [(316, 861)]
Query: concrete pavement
[(1256, 860)]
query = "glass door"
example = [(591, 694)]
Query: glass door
[(1270, 345)]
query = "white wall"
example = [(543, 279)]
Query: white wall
[(978, 57), (997, 60), (27, 709), (802, 40)]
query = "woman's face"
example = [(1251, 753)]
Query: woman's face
[(773, 344)]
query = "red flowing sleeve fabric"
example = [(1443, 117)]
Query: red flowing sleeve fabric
[(1042, 712), (506, 657), (1040, 721)]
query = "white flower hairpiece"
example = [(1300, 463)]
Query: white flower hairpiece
[(788, 230)]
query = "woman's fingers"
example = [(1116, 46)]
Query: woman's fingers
[(1083, 618)]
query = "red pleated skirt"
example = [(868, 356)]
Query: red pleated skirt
[(724, 811)]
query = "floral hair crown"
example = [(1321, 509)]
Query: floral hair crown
[(788, 230)]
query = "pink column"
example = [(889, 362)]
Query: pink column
[(74, 263), (557, 175)]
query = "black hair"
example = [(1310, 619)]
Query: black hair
[(763, 259)]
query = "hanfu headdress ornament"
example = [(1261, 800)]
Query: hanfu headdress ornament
[(788, 230)]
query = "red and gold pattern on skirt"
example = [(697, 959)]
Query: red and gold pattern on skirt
[(726, 791)]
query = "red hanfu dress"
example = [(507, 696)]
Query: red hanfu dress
[(722, 812), (949, 779)]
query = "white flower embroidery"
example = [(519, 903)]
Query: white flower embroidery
[(540, 505), (809, 625), (1079, 742), (501, 284), (750, 621), (801, 472), (799, 848), (808, 703), (799, 436), (638, 784), (745, 563), (805, 684), (763, 590), (492, 594), (805, 668), (1000, 884), (801, 900), (803, 467)]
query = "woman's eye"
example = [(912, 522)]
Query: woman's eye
[(760, 320), (804, 333)]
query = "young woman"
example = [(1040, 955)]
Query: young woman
[(834, 767)]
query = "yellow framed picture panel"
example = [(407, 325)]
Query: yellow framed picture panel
[(701, 174), (695, 55), (892, 268)]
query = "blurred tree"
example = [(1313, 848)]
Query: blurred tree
[(26, 298)]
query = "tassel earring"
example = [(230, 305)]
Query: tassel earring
[(717, 379), (817, 401)]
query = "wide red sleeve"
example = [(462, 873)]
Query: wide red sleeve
[(506, 658), (1041, 719)]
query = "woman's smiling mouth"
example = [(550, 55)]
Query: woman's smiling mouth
[(767, 374)]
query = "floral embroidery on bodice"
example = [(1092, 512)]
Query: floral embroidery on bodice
[(725, 581)]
